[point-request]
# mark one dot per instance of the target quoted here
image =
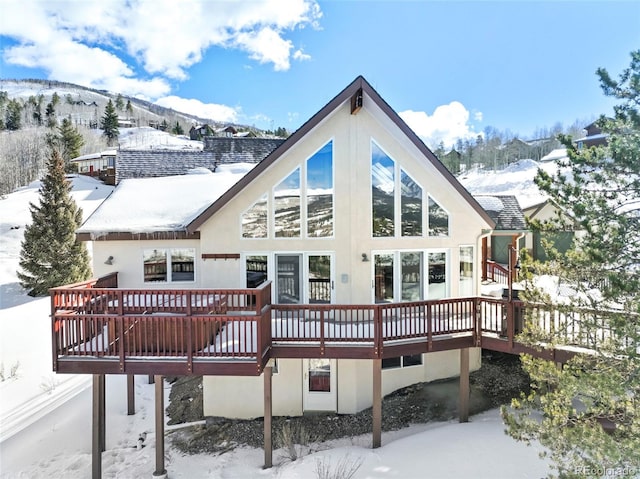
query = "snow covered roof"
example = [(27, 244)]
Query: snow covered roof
[(93, 156), (553, 155), (167, 204)]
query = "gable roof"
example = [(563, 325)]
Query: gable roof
[(354, 93), (505, 211)]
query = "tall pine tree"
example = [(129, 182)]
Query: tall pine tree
[(569, 407), (109, 124), (70, 142), (50, 255)]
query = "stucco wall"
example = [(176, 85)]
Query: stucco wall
[(242, 397)]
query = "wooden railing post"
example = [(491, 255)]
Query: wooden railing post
[(322, 339), (190, 343), (377, 331)]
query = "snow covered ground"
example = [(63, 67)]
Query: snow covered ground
[(45, 419)]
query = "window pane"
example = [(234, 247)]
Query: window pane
[(438, 219), (288, 280), (287, 206), (388, 363), (413, 360), (411, 276), (319, 375), (256, 267), (466, 271), (155, 265), (382, 192), (437, 275), (411, 206), (182, 264), (320, 279), (254, 220), (383, 277), (320, 193)]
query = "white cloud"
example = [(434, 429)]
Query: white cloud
[(165, 37), (210, 111), (447, 124)]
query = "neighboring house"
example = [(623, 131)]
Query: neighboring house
[(351, 209), (593, 137), (561, 240), (217, 150), (101, 165), (200, 131)]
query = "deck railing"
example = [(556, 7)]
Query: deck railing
[(127, 324), (497, 273), (241, 324)]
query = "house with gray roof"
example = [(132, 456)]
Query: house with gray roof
[(216, 151)]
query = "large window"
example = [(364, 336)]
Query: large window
[(319, 278), (410, 205), (169, 265), (383, 277), (320, 193), (410, 275), (256, 270), (382, 192), (397, 200), (438, 284), (411, 289), (438, 219), (286, 199), (254, 220), (291, 214), (466, 271)]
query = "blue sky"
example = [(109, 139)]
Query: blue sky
[(450, 69)]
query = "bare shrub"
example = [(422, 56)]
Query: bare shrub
[(295, 440), (346, 468)]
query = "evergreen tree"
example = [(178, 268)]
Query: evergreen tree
[(119, 102), (50, 255), (129, 108), (177, 129), (109, 124), (55, 99), (13, 119), (68, 141), (568, 406), (50, 113)]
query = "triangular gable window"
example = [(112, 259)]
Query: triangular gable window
[(254, 220), (438, 219), (312, 180)]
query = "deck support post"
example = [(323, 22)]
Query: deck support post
[(131, 395), (377, 403), (463, 409), (159, 389), (268, 415), (98, 424)]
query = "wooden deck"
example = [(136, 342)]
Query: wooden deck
[(98, 328)]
